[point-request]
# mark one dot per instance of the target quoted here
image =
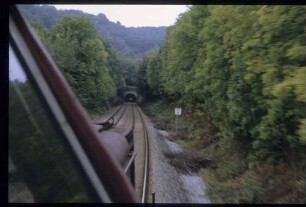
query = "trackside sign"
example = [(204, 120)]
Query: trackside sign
[(178, 111)]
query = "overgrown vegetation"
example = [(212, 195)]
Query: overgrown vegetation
[(131, 42), (94, 72), (225, 170), (42, 161), (240, 73), (88, 63)]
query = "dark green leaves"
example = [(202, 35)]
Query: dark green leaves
[(243, 67), (83, 58)]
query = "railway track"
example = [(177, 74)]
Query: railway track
[(106, 117), (120, 115), (126, 115), (146, 158)]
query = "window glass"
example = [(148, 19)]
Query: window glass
[(40, 167)]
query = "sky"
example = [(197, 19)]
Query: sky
[(127, 15), (15, 71), (134, 15)]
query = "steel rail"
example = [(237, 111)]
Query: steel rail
[(121, 115), (127, 167), (115, 113), (134, 153), (131, 125), (146, 161), (107, 115), (133, 118)]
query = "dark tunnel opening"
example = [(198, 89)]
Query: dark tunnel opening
[(130, 98)]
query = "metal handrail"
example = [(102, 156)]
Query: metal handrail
[(129, 164)]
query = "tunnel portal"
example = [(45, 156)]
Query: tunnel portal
[(130, 97), (130, 94)]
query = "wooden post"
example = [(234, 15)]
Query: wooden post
[(153, 197)]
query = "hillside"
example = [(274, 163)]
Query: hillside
[(132, 42), (238, 73)]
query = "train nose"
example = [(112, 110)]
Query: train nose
[(117, 144)]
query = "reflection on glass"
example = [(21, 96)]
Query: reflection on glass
[(15, 71), (40, 169)]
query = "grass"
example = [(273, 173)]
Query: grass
[(229, 179)]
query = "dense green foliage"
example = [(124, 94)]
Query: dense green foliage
[(240, 70), (34, 145), (89, 64), (82, 57), (130, 70), (119, 42), (130, 42), (148, 76), (243, 68)]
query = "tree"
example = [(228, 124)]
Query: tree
[(154, 73), (243, 68), (82, 57)]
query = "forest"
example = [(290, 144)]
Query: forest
[(238, 72), (96, 72), (36, 143), (107, 54), (242, 69), (128, 42)]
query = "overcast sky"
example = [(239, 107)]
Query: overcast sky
[(134, 15), (15, 71)]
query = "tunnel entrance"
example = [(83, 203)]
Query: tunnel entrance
[(130, 98)]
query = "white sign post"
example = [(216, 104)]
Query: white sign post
[(177, 112)]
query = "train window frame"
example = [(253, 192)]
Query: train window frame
[(80, 134), (55, 116)]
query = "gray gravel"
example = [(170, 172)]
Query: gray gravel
[(173, 147), (196, 188), (168, 184)]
